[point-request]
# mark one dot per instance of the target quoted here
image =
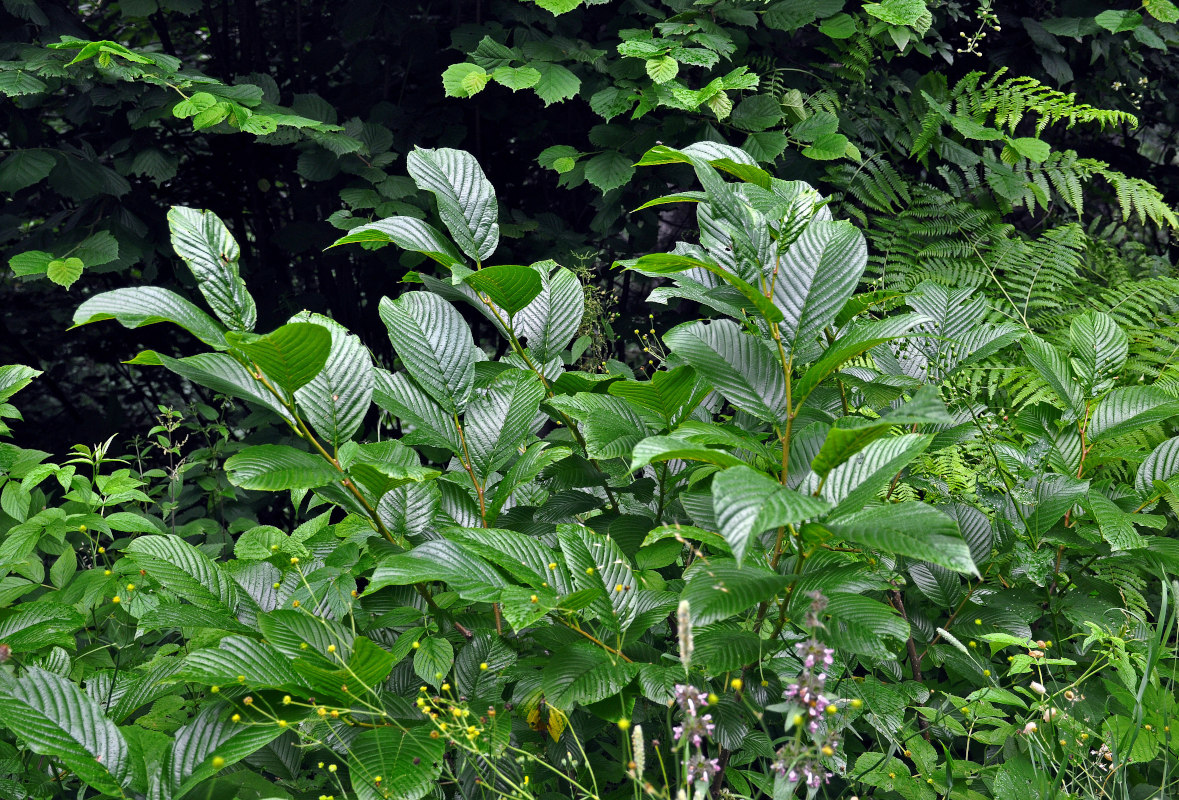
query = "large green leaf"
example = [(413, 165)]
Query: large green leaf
[(434, 343), (147, 305), (423, 420), (277, 467), (672, 394), (955, 337), (205, 244), (742, 367), (531, 463), (849, 435), (667, 448), (14, 377), (1160, 465), (909, 529), (290, 356), (657, 264), (1129, 408), (338, 397), (408, 233), (856, 341), (440, 560), (856, 481), (718, 589), (241, 660), (500, 419), (212, 735), (597, 564), (816, 276), (36, 625), (523, 557), (582, 673), (466, 199), (1055, 371), (408, 763), (434, 659), (610, 426), (748, 502), (510, 286), (1099, 347), (54, 717), (221, 373), (181, 568), (554, 316)]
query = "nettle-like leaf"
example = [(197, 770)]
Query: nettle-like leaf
[(183, 569), (221, 373), (337, 398), (147, 305), (1099, 348), (408, 233), (466, 199), (276, 468), (500, 418), (916, 530), (388, 762), (205, 244)]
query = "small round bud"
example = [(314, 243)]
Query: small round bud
[(218, 762)]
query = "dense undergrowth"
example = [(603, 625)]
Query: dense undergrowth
[(880, 501)]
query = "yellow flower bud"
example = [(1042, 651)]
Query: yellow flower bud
[(737, 684), (218, 762)]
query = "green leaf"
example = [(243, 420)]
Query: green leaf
[(205, 244), (184, 570), (662, 69), (816, 276), (899, 12), (718, 589), (31, 262), (556, 83), (212, 735), (912, 529), (742, 367), (748, 502), (14, 377), (336, 400), (466, 199), (581, 673), (535, 459), (1119, 21), (16, 82), (1162, 10), (850, 435), (427, 423), (827, 147), (148, 305), (435, 345), (440, 560), (609, 170), (858, 340), (840, 26), (516, 78), (276, 468), (39, 624), (1129, 408), (1052, 367), (290, 356), (54, 717), (672, 394), (464, 79), (98, 249), (241, 660), (408, 233), (1162, 464), (1116, 526), (511, 287), (554, 316), (408, 763), (433, 660), (1099, 348), (597, 564), (668, 263), (1033, 149), (855, 482), (24, 168), (500, 419), (64, 271), (221, 373)]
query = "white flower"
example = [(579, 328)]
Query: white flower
[(1029, 728)]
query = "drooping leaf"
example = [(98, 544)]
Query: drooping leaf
[(856, 481), (221, 373), (427, 422), (276, 468), (499, 420), (550, 321), (511, 287), (440, 560), (856, 341), (1128, 408), (667, 448), (147, 305), (1053, 368), (597, 564), (719, 589), (1099, 347), (408, 233), (212, 735), (407, 762), (290, 356), (241, 660), (582, 673), (466, 199), (1162, 464), (205, 244)]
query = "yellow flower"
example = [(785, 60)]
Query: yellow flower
[(483, 665), (737, 684), (218, 762), (116, 599), (624, 724)]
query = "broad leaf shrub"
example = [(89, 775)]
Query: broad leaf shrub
[(801, 558)]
